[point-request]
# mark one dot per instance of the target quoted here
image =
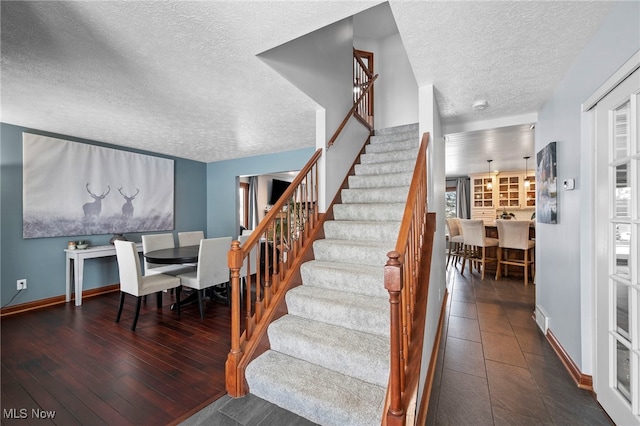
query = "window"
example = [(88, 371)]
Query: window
[(451, 202), (243, 198)]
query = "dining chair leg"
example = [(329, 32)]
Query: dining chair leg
[(135, 318), (159, 300), (201, 303), (178, 291), (526, 267), (120, 306), (464, 259)]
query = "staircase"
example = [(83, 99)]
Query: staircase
[(329, 356)]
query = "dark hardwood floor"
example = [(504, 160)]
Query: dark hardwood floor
[(78, 363)]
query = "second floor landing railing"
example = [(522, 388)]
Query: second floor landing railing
[(363, 90)]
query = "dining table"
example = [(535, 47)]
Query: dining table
[(174, 255), (177, 256)]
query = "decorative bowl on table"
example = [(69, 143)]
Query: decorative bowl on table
[(82, 246)]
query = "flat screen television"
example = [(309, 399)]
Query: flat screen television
[(278, 187)]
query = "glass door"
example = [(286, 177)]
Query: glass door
[(617, 373)]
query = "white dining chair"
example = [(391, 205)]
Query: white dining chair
[(190, 238), (212, 270), (476, 244), (513, 235), (154, 242), (456, 241), (134, 283)]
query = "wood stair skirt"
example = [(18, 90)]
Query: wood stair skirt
[(584, 381), (329, 356)]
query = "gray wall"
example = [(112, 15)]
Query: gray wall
[(42, 260), (563, 284), (430, 122), (395, 90)]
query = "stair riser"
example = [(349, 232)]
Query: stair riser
[(331, 251), (380, 181), (369, 282), (348, 230), (360, 355), (367, 319), (384, 168), (374, 158), (377, 195), (394, 137), (340, 400), (390, 146), (404, 128), (371, 212)]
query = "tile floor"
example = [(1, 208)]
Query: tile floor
[(494, 368)]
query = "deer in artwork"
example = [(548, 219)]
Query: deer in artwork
[(127, 207), (93, 209)]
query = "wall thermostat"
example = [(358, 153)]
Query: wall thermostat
[(569, 184)]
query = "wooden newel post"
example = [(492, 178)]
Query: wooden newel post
[(393, 284), (233, 379)]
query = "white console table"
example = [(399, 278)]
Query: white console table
[(75, 272)]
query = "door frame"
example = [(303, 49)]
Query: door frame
[(594, 240)]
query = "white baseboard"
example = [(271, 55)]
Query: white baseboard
[(542, 319)]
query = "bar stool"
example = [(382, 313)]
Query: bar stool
[(514, 235), (476, 244), (456, 241)]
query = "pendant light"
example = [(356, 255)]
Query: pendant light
[(489, 184), (527, 183)]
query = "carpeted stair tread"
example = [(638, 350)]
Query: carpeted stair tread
[(403, 128), (354, 311), (361, 230), (369, 211), (391, 146), (383, 157), (393, 137), (318, 394), (354, 278), (388, 167), (383, 180), (375, 195), (372, 253), (361, 355)]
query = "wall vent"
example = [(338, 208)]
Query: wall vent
[(542, 319)]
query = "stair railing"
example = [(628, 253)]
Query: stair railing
[(406, 278), (362, 77), (365, 89), (267, 258), (270, 260)]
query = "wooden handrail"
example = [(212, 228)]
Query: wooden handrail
[(351, 111), (406, 278), (362, 64), (280, 238)]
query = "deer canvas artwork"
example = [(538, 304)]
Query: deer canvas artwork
[(72, 188)]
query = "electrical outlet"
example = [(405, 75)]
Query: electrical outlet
[(22, 284)]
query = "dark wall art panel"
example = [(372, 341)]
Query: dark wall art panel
[(547, 203)]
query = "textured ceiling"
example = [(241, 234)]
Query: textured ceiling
[(182, 78)]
